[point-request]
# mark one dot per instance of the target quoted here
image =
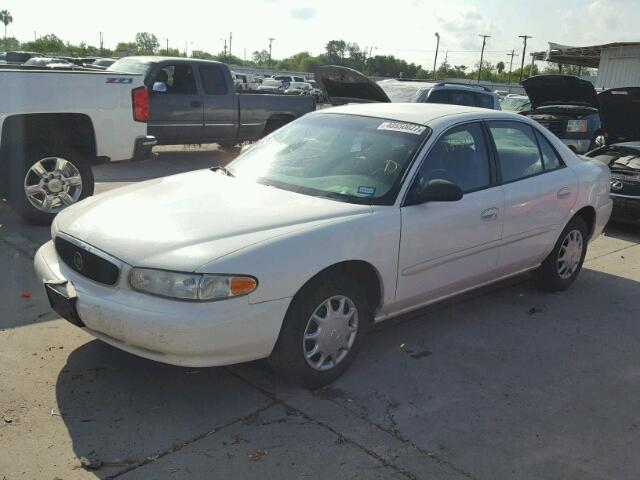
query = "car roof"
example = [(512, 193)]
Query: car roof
[(420, 113), (439, 85)]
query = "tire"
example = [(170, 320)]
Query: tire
[(554, 276), (288, 357), (22, 175), (274, 124)]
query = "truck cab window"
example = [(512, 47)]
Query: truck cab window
[(213, 80), (178, 78)]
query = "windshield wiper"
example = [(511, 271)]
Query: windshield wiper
[(224, 170)]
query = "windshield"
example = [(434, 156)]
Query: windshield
[(346, 157), (621, 158), (128, 65), (401, 93), (271, 83), (515, 104)]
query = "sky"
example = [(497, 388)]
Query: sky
[(404, 28)]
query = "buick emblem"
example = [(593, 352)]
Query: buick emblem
[(616, 185), (78, 261)]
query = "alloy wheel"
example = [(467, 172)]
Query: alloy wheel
[(52, 184)]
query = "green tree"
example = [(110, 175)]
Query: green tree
[(126, 48), (335, 51), (260, 57), (147, 43), (49, 44), (9, 43), (202, 55), (500, 67), (6, 18)]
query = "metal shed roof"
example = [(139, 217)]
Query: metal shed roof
[(579, 56)]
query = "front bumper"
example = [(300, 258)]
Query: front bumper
[(143, 147), (194, 334), (626, 209)]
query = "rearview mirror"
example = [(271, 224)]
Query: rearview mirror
[(437, 190), (159, 87)]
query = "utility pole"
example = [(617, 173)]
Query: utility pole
[(484, 42), (101, 44), (35, 36), (271, 39), (230, 38), (167, 50), (533, 59), (524, 50), (512, 54), (186, 46), (435, 58)]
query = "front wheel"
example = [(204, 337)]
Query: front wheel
[(322, 331), (560, 269), (42, 185)]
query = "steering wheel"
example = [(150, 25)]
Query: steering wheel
[(390, 167)]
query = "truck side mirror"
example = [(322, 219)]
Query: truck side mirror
[(159, 87)]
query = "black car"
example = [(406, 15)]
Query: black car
[(620, 113), (567, 106)]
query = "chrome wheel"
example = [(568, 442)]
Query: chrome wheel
[(570, 254), (52, 184), (330, 332)]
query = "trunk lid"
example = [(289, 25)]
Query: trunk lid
[(620, 114), (343, 85), (545, 90)]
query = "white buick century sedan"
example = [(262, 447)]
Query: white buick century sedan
[(345, 217)]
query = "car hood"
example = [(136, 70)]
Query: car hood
[(559, 90), (620, 114), (185, 221), (344, 85)]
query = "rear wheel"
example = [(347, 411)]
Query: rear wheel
[(43, 184), (322, 331), (560, 269)]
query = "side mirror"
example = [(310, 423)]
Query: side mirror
[(437, 190), (159, 87)]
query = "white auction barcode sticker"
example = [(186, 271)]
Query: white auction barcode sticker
[(402, 127)]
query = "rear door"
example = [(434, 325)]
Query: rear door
[(220, 103), (447, 247), (175, 116), (539, 194)]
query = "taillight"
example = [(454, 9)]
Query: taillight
[(140, 101)]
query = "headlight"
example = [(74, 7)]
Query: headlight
[(574, 126), (190, 286)]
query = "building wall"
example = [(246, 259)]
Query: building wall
[(619, 67)]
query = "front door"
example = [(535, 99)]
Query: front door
[(175, 116), (447, 247)]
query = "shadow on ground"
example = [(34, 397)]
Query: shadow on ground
[(510, 383)]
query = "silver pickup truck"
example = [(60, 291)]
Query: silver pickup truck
[(195, 101)]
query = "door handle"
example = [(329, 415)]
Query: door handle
[(564, 192), (196, 103), (489, 214)]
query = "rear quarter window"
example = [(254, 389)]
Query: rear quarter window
[(484, 100)]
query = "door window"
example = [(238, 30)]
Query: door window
[(484, 100), (438, 96), (178, 78), (461, 97), (460, 156), (550, 158), (517, 150), (213, 80)]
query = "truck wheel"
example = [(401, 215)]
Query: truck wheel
[(274, 124), (44, 184)]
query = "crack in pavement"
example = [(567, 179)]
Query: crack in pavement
[(177, 448)]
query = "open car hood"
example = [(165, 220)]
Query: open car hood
[(344, 85), (544, 90), (620, 114)]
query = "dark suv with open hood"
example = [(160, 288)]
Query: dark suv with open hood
[(620, 114), (567, 106)]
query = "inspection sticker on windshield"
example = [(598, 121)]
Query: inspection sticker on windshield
[(402, 127), (367, 190)]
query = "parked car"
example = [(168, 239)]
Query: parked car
[(287, 79), (516, 103), (567, 106), (100, 63), (269, 85), (345, 217), (54, 125), (18, 58), (195, 101), (3, 58), (48, 62), (620, 111), (343, 85), (298, 88), (245, 82), (316, 91)]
